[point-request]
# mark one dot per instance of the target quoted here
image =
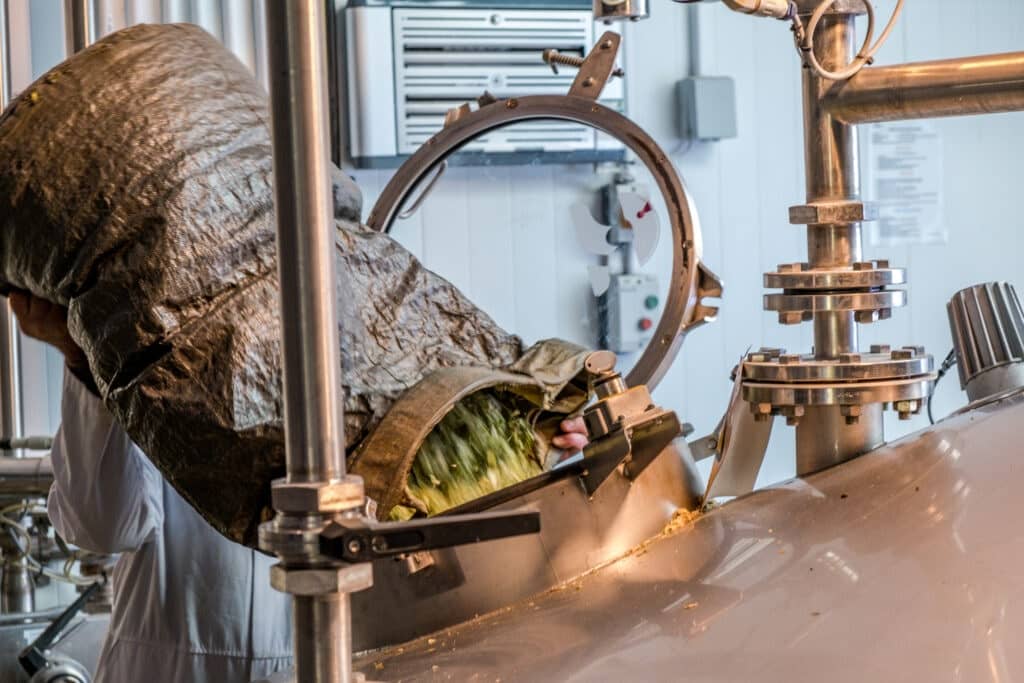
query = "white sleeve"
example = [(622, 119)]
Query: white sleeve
[(107, 497)]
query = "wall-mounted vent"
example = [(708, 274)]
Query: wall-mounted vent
[(441, 58)]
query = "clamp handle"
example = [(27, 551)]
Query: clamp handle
[(356, 540)]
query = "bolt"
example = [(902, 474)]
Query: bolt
[(512, 104), (881, 348), (882, 264), (789, 359), (791, 318), (849, 358), (757, 358), (864, 265), (607, 45), (885, 314), (867, 317), (902, 354), (907, 409), (918, 351), (770, 352), (355, 546), (791, 267), (851, 413), (379, 544), (588, 82), (792, 414)]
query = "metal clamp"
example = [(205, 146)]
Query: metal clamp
[(692, 281)]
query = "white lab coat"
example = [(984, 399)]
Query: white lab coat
[(189, 605)]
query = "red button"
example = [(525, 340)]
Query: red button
[(646, 324)]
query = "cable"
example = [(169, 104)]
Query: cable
[(946, 366), (25, 550), (805, 40)]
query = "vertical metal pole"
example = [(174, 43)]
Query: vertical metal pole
[(832, 168), (78, 29), (11, 415), (297, 70), (833, 173)]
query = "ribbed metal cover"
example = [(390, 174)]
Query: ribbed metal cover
[(987, 323)]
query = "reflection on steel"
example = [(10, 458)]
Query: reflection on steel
[(693, 281), (952, 87), (835, 573), (578, 534), (315, 442)]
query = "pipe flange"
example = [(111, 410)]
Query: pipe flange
[(866, 275), (869, 306), (832, 213), (851, 367), (691, 280), (777, 396)]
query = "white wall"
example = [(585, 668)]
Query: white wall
[(503, 234)]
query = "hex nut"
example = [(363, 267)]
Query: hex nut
[(867, 317), (827, 213), (789, 359), (902, 354), (850, 358), (791, 268), (851, 413), (881, 348), (791, 318), (349, 578), (335, 496)]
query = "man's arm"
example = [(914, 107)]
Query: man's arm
[(106, 497)]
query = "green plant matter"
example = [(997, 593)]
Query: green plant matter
[(486, 443)]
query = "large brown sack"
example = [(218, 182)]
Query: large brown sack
[(135, 190)]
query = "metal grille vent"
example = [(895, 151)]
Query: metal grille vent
[(446, 58)]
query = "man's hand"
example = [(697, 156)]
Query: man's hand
[(48, 322), (573, 436)]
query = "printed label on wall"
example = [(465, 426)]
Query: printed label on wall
[(905, 162)]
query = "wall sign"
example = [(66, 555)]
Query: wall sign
[(905, 163)]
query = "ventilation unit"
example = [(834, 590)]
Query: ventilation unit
[(408, 65)]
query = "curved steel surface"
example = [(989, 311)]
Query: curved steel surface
[(902, 565), (691, 281)]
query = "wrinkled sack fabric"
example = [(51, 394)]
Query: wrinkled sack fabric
[(135, 190)]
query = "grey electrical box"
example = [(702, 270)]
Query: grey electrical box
[(632, 308), (707, 107)]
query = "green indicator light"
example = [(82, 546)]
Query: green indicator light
[(651, 302)]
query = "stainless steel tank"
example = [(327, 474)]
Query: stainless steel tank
[(901, 565)]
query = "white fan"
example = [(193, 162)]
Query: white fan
[(637, 215)]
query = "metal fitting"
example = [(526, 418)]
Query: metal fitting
[(902, 354), (829, 213), (335, 496), (867, 317), (791, 267), (850, 358), (762, 411), (907, 409), (881, 348), (349, 578), (851, 413), (791, 318), (789, 359), (792, 414)]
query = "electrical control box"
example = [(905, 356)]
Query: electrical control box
[(632, 308), (707, 108)]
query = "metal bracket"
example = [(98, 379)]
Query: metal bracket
[(356, 540)]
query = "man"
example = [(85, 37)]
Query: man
[(189, 605)]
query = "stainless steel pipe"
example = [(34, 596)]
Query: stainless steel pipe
[(951, 87), (11, 416), (297, 67), (314, 436), (78, 30), (832, 167), (25, 477), (832, 173)]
